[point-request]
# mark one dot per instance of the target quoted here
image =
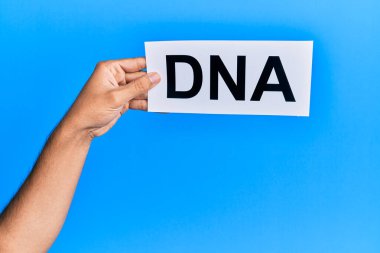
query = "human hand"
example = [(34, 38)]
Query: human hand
[(114, 87)]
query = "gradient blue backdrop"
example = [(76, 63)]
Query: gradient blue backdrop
[(202, 183)]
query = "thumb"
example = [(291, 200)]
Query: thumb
[(138, 86)]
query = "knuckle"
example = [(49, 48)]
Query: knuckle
[(101, 65), (113, 98)]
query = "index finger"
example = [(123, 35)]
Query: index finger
[(131, 64)]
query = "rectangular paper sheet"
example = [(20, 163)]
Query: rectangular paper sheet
[(295, 57)]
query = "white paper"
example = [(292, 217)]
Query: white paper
[(295, 57)]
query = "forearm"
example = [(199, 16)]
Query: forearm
[(33, 219)]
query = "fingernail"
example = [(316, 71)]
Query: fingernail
[(154, 77)]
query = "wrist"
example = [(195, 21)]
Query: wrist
[(69, 131)]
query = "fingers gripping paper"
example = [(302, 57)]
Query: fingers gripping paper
[(231, 77)]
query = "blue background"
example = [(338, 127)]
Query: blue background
[(202, 183)]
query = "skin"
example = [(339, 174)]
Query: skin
[(34, 217)]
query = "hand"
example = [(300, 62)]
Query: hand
[(114, 87)]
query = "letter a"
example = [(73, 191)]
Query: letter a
[(273, 63)]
